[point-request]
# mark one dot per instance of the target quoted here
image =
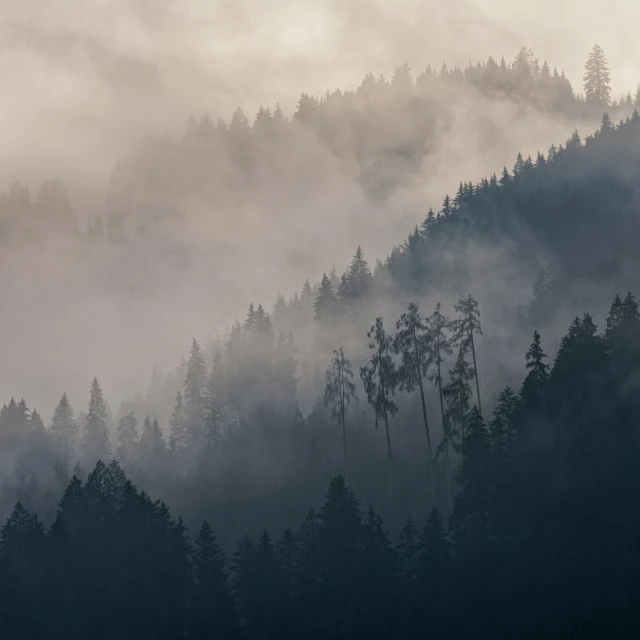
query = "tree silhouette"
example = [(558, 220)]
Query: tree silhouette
[(597, 87), (379, 379), (413, 341), (466, 326), (339, 390)]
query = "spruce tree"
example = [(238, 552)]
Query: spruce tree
[(178, 430), (64, 431), (439, 324), (597, 80), (534, 385), (211, 614), (379, 379), (413, 341), (194, 400), (128, 439), (466, 327), (95, 443), (324, 304), (457, 395), (339, 391)]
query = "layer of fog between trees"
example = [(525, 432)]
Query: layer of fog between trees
[(74, 310)]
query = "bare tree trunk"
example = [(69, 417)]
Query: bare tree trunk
[(475, 370), (344, 431), (389, 460), (432, 479), (444, 429)]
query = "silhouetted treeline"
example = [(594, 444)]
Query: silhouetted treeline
[(542, 540)]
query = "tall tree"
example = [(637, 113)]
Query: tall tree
[(441, 346), (413, 341), (325, 302), (128, 439), (466, 327), (458, 393), (212, 612), (534, 385), (152, 446), (597, 80), (64, 431), (379, 379), (194, 401), (95, 442), (178, 430), (339, 390)]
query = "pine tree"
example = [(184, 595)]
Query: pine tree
[(128, 439), (339, 390), (211, 614), (325, 302), (379, 380), (441, 346), (359, 275), (178, 430), (597, 80), (466, 327), (457, 395), (152, 447), (535, 383), (64, 431), (194, 399), (413, 341), (472, 513), (95, 444)]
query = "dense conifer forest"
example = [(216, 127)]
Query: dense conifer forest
[(443, 443)]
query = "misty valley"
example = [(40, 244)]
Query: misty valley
[(439, 443)]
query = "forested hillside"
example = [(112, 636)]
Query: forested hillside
[(530, 547), (475, 389)]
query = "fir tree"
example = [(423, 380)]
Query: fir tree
[(128, 439), (95, 444), (324, 304), (466, 327), (413, 341), (339, 390), (178, 429), (535, 383), (379, 380), (211, 614), (597, 81), (64, 431)]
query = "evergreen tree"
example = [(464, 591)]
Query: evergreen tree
[(178, 430), (457, 395), (194, 401), (597, 81), (379, 379), (413, 341), (152, 446), (441, 346), (95, 444), (339, 390), (128, 439), (211, 614), (534, 385), (466, 327), (64, 431), (324, 304)]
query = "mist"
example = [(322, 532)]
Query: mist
[(90, 83)]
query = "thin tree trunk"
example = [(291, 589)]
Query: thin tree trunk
[(344, 431), (389, 460), (444, 428), (386, 426), (432, 479), (475, 370)]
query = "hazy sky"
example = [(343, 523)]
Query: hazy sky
[(87, 78), (83, 81)]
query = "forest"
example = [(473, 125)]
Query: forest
[(444, 442)]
